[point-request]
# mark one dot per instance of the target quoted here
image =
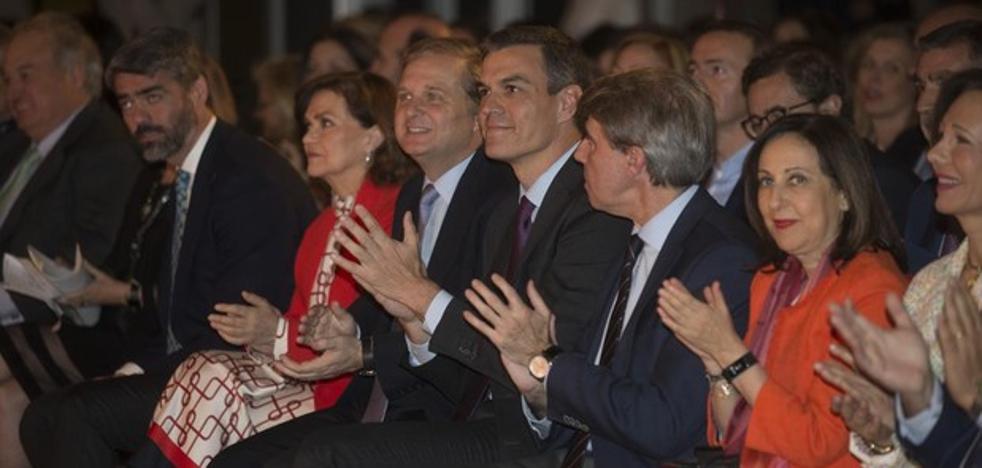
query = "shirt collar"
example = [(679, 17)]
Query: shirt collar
[(656, 230), (190, 164), (537, 191), (446, 184), (734, 164), (51, 139)]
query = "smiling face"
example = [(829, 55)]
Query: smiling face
[(40, 93), (335, 142), (957, 158), (434, 116), (800, 205), (518, 115)]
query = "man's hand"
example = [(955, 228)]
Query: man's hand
[(896, 359), (323, 324), (960, 336), (388, 269), (103, 290), (519, 331), (251, 324)]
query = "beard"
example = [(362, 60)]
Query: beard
[(172, 137)]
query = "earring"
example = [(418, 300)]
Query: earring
[(368, 159)]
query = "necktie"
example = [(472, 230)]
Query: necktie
[(574, 458), (18, 179), (182, 188), (378, 403), (426, 240), (474, 394), (523, 226)]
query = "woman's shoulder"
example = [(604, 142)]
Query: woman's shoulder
[(870, 268)]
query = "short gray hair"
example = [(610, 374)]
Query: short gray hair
[(167, 50), (664, 113), (70, 44)]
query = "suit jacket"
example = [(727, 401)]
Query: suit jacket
[(648, 405), (570, 249), (452, 265), (249, 210), (735, 205), (76, 196), (896, 182), (954, 437), (926, 228)]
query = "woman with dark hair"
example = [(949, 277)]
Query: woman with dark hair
[(216, 398), (337, 49), (812, 199), (936, 348)]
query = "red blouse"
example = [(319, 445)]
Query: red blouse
[(380, 202)]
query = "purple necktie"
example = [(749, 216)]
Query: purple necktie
[(523, 225)]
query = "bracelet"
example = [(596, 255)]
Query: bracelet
[(367, 357), (134, 298), (719, 386), (733, 370), (879, 449)]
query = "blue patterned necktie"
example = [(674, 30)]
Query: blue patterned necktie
[(182, 188), (426, 202)]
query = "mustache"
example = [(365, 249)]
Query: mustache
[(144, 129)]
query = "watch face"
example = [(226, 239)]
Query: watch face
[(539, 367)]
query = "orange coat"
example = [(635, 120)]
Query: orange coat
[(792, 417)]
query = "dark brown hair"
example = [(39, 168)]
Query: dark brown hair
[(842, 158), (371, 100)]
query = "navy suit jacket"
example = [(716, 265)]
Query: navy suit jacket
[(248, 212), (570, 249), (649, 404), (925, 228), (452, 265), (954, 438)]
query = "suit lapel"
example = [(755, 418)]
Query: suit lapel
[(201, 193), (49, 170), (456, 220), (569, 178)]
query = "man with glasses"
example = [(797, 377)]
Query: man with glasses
[(794, 79)]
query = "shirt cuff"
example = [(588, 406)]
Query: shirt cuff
[(130, 368), (542, 427), (434, 313), (281, 344), (419, 354), (917, 428)]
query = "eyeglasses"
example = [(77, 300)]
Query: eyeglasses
[(756, 125)]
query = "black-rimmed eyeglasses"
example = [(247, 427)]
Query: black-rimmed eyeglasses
[(756, 125)]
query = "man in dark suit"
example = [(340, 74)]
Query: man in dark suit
[(447, 201), (66, 169), (802, 79), (236, 216), (544, 231), (630, 388)]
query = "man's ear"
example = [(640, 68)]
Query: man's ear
[(831, 105), (569, 98), (637, 162), (199, 91)]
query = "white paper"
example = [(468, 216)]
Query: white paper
[(42, 278)]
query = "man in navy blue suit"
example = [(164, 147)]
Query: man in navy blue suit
[(629, 393)]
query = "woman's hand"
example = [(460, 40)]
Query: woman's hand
[(960, 336), (706, 328), (251, 324), (865, 408)]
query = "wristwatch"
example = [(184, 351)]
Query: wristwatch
[(745, 362), (540, 363)]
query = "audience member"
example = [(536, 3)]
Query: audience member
[(65, 173), (277, 80), (235, 216), (719, 55), (337, 49), (220, 98), (951, 12), (811, 198), (628, 387), (599, 46), (400, 33), (650, 50), (796, 78), (885, 96), (436, 111), (350, 144)]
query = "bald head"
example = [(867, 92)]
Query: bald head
[(946, 15), (399, 34)]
